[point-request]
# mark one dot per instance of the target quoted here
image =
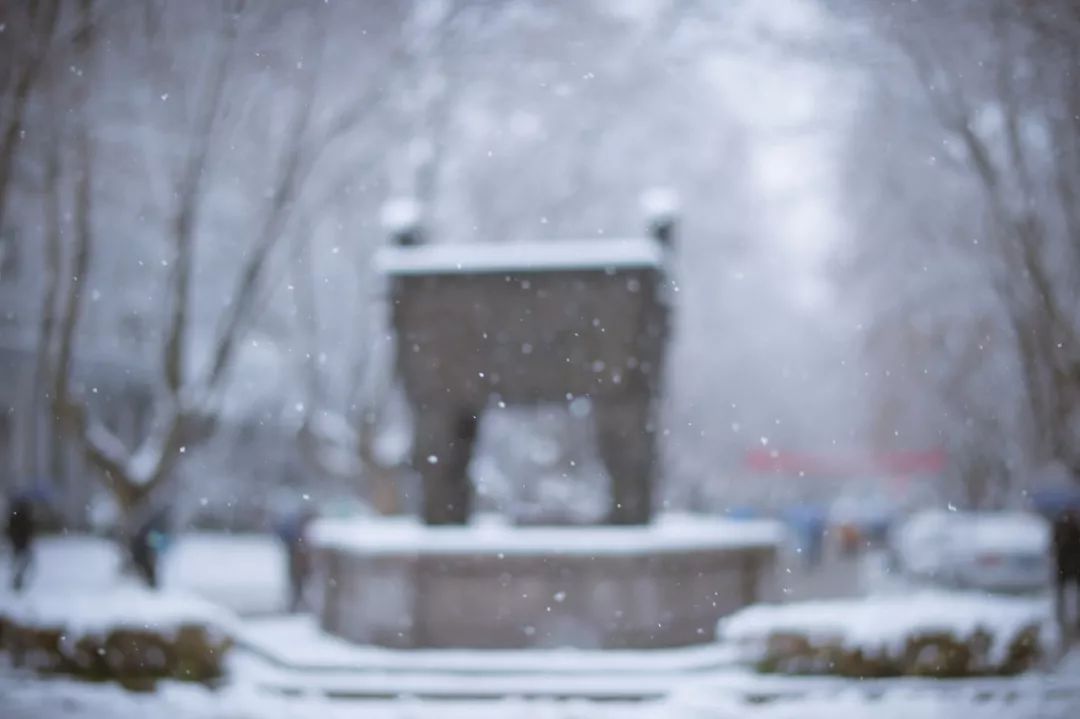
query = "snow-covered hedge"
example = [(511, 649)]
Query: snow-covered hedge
[(128, 634), (935, 634)]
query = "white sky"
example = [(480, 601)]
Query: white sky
[(793, 108)]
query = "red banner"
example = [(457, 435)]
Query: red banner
[(882, 463)]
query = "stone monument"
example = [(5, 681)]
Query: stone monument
[(530, 323), (523, 324)]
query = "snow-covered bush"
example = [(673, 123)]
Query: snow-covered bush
[(933, 634), (128, 635)]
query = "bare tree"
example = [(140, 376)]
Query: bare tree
[(187, 403), (996, 86), (33, 24)]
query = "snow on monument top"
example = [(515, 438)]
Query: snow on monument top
[(401, 214), (660, 204), (473, 258)]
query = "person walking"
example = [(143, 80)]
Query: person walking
[(20, 535), (292, 531), (1067, 565), (147, 545)]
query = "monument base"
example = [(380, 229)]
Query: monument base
[(397, 583)]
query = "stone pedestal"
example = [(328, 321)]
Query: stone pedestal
[(397, 583)]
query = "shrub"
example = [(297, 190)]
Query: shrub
[(932, 654), (185, 646), (940, 636)]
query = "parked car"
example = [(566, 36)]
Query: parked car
[(919, 545), (992, 551)]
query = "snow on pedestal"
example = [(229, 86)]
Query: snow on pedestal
[(669, 534)]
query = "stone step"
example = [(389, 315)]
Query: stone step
[(296, 643)]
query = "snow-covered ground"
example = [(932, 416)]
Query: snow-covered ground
[(38, 699), (245, 573), (22, 698), (123, 606)]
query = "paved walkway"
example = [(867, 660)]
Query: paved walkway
[(834, 577)]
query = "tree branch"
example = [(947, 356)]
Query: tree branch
[(51, 291), (46, 12), (190, 196), (237, 317)]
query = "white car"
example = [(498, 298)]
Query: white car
[(993, 551)]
